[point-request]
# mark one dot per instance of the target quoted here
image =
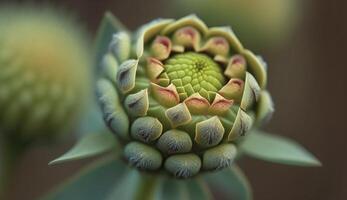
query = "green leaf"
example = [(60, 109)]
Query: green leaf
[(127, 187), (137, 185), (198, 189), (88, 146), (277, 149), (171, 189), (231, 183), (94, 182), (109, 25)]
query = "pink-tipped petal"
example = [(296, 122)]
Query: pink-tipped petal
[(166, 96), (187, 37), (216, 46), (220, 105), (233, 90), (236, 67), (161, 47), (154, 68), (197, 104)]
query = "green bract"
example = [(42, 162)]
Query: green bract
[(179, 95)]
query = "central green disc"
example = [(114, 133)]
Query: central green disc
[(195, 72)]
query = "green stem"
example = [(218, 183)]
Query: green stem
[(147, 187)]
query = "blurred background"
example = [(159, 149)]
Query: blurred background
[(304, 48)]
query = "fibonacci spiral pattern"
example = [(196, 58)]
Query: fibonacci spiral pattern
[(179, 95)]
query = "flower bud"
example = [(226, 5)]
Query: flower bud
[(183, 102), (45, 66)]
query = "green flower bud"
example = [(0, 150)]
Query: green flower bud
[(183, 97), (44, 72)]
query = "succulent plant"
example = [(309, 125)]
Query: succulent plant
[(45, 72), (181, 100), (179, 95)]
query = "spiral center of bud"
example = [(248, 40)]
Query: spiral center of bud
[(195, 73)]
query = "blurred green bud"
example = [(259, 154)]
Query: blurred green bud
[(259, 23), (45, 65), (180, 95)]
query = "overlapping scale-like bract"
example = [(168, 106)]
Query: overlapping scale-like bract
[(183, 97)]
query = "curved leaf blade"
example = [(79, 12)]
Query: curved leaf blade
[(137, 185), (277, 149), (231, 183), (109, 26), (94, 182), (198, 189), (171, 189), (126, 189), (90, 145)]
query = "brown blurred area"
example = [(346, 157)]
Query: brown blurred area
[(307, 78)]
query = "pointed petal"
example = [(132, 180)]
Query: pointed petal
[(220, 105), (250, 93), (110, 66), (216, 46), (236, 67), (120, 46), (228, 34), (137, 104), (265, 108), (187, 37), (126, 75), (209, 132), (233, 90), (148, 31), (197, 104), (178, 115), (154, 68), (243, 123), (161, 47), (190, 20), (113, 112), (174, 141), (166, 96), (219, 157), (256, 67)]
